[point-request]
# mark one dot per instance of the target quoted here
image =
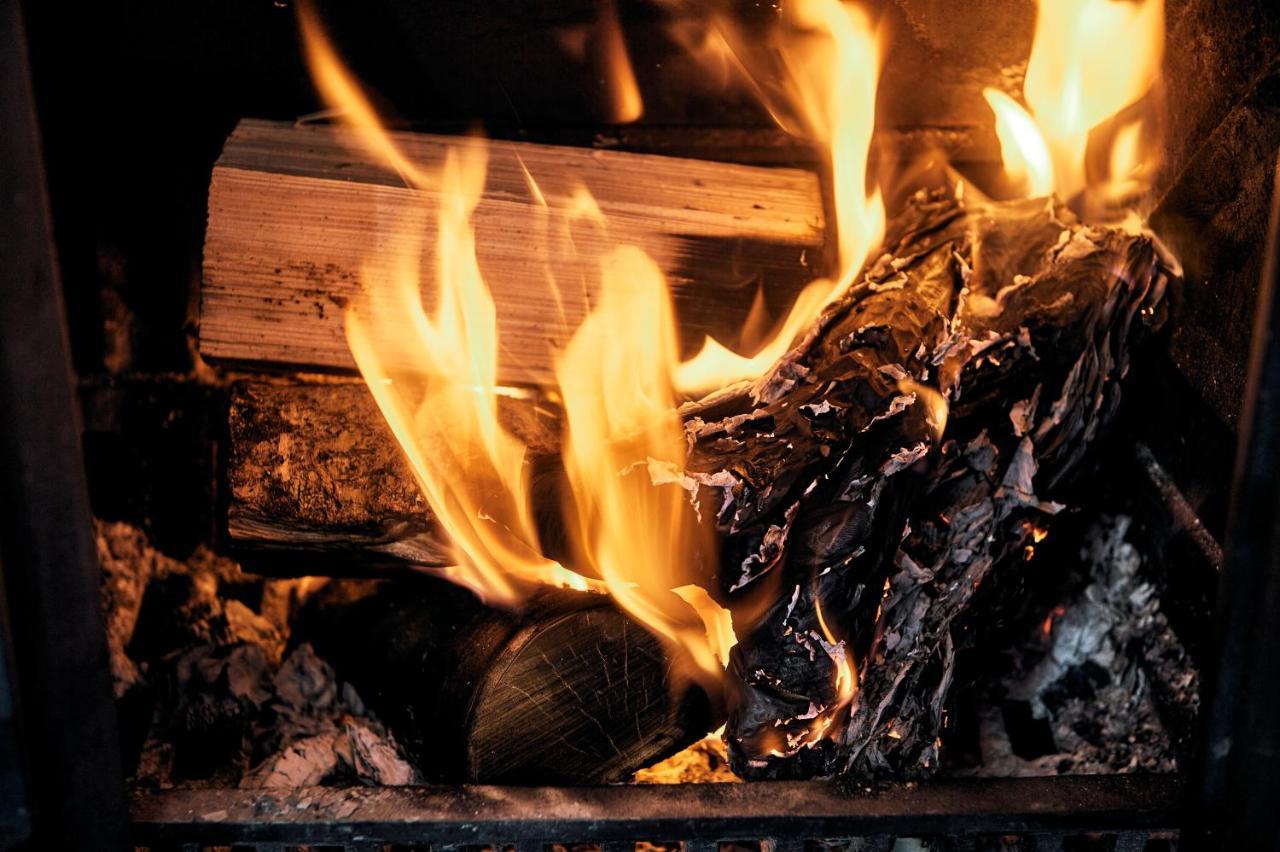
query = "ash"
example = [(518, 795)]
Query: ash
[(202, 663), (1091, 687)]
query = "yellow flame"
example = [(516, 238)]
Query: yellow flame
[(1126, 152), (716, 365), (433, 373), (846, 675), (832, 57), (434, 377), (1023, 149), (343, 93), (639, 531), (1090, 59), (934, 402), (625, 103), (716, 621)]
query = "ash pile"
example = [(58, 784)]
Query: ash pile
[(205, 674)]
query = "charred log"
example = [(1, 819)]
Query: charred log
[(318, 485), (1029, 355)]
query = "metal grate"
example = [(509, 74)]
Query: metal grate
[(1041, 813)]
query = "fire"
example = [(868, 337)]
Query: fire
[(635, 531), (434, 377), (638, 530), (831, 58), (625, 103), (1090, 60), (433, 374)]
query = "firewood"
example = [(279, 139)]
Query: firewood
[(865, 537), (295, 213), (1038, 315), (315, 474), (569, 691)]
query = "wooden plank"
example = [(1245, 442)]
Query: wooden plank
[(296, 214)]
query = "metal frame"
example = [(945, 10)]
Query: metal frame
[(1128, 806), (1240, 775), (66, 735)]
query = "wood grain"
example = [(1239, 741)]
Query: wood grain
[(300, 222)]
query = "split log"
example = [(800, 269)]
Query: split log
[(569, 691), (296, 213)]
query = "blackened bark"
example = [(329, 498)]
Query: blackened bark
[(867, 534)]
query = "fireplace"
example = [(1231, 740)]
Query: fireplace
[(271, 583)]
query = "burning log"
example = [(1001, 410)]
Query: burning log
[(570, 691), (294, 216), (1027, 338), (899, 460)]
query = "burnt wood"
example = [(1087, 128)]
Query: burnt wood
[(1022, 319), (314, 471), (569, 690)]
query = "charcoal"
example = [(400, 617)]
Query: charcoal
[(1097, 676)]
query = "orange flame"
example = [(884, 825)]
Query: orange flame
[(434, 377), (625, 104), (624, 447), (1090, 59), (433, 374), (832, 58)]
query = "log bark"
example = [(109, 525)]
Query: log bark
[(296, 214), (568, 691)]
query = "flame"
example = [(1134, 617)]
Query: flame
[(1025, 154), (846, 684), (433, 374), (1090, 59), (342, 92), (936, 406), (631, 514), (625, 104), (832, 60), (434, 377), (716, 621), (639, 530)]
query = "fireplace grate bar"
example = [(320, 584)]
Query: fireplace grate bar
[(793, 816)]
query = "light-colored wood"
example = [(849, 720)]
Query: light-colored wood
[(300, 219)]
